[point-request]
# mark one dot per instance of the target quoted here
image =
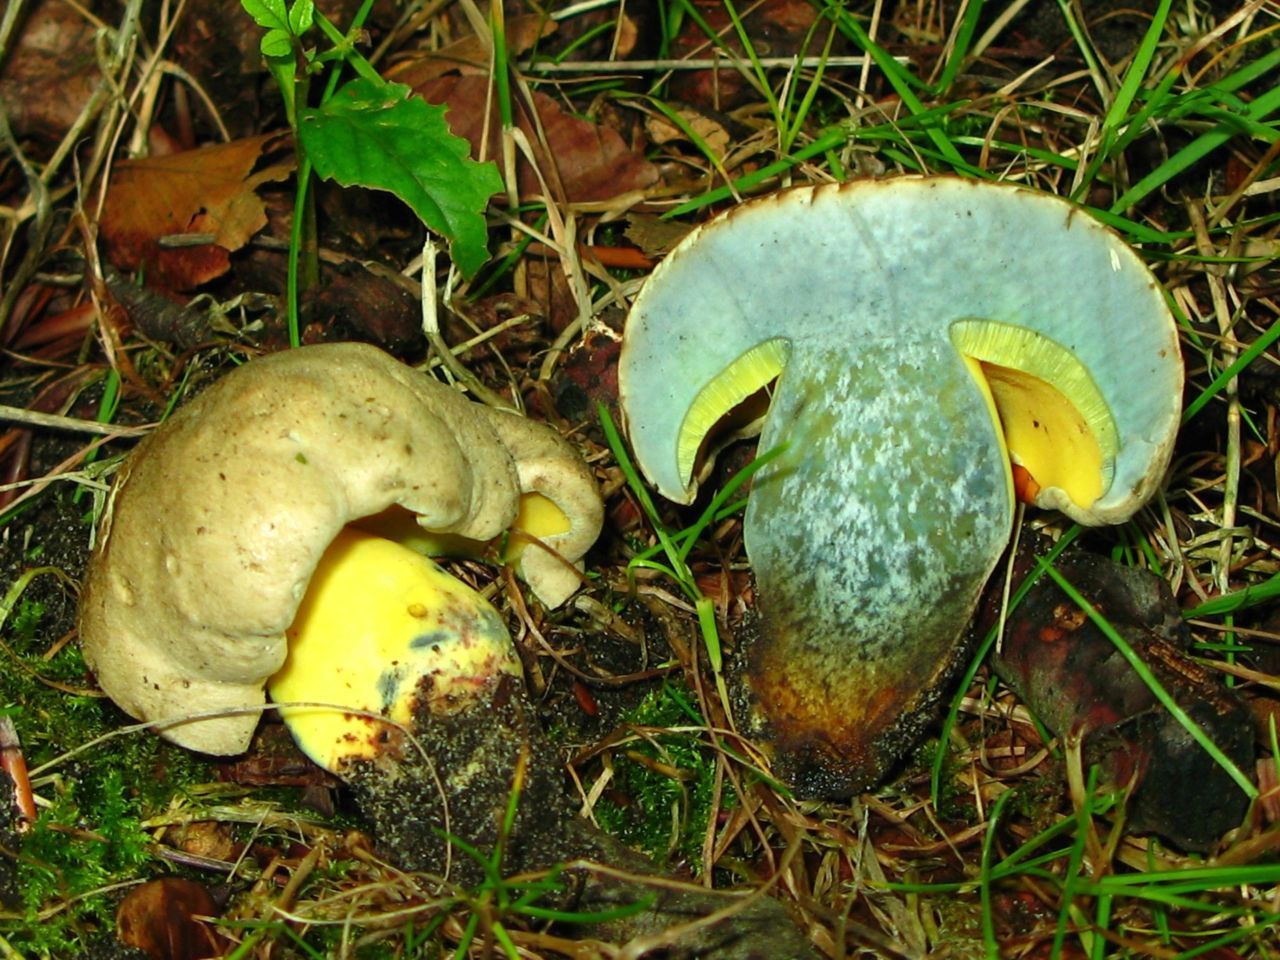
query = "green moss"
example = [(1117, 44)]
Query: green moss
[(88, 836), (26, 618), (85, 841), (660, 798)]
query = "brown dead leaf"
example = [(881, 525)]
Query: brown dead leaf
[(470, 54), (709, 130), (653, 235), (51, 71), (209, 191), (775, 28), (591, 161), (203, 838), (1075, 680), (160, 918)]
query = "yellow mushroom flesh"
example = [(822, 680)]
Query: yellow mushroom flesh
[(538, 518), (1054, 422), (382, 633)]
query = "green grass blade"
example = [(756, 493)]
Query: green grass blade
[(1250, 596), (985, 876), (1138, 68), (1205, 144), (900, 78), (960, 49), (1250, 354)]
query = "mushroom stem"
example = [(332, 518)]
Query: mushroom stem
[(868, 561)]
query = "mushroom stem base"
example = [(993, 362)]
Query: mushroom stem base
[(475, 757)]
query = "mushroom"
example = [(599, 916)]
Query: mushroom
[(236, 550), (931, 339), (219, 518)]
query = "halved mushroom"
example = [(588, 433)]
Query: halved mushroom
[(923, 333), (219, 519)]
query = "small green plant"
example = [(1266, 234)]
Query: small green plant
[(369, 133), (1099, 907), (498, 896), (491, 908)]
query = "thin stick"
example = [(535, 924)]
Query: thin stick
[(57, 422), (701, 63)]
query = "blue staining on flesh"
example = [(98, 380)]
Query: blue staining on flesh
[(389, 687), (491, 623), (432, 638)]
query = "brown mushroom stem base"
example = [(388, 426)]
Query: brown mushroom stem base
[(474, 758), (821, 741)]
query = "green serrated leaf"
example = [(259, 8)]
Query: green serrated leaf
[(378, 135), (301, 16), (267, 13), (276, 43)]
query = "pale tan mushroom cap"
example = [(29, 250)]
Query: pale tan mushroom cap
[(218, 519), (548, 464)]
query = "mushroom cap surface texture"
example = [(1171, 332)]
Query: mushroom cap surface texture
[(905, 319), (218, 518)]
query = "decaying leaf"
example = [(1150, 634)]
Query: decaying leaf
[(707, 129), (590, 161), (162, 918), (51, 70), (179, 217), (776, 28), (1074, 679), (653, 235), (470, 54)]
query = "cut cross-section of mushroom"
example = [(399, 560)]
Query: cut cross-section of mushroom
[(219, 518), (925, 334)]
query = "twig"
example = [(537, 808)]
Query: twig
[(75, 424), (699, 63)]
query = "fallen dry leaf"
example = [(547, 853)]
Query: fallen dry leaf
[(206, 192), (51, 71), (653, 235), (1074, 679), (591, 161), (709, 130), (776, 28), (470, 54), (160, 918)]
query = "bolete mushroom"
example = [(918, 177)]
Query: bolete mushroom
[(927, 336), (218, 520), (236, 550)]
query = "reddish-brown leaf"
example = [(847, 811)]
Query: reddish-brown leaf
[(469, 54), (1075, 680), (582, 161), (51, 70), (161, 918), (210, 191)]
